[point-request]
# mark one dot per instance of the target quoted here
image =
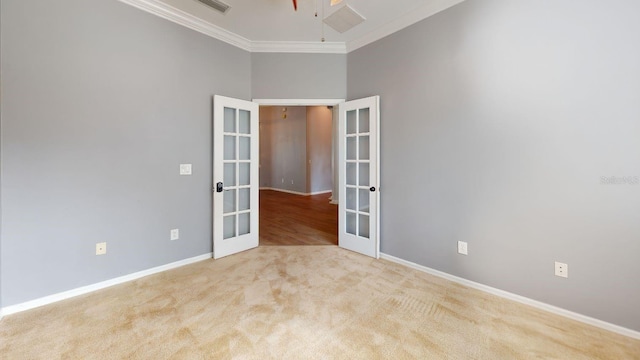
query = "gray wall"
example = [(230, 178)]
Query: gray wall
[(283, 148), (298, 76), (319, 141), (101, 102), (506, 114)]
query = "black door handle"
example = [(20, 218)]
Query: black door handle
[(372, 189), (219, 187)]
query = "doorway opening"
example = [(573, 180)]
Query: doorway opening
[(298, 179)]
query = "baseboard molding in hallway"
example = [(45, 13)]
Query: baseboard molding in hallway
[(296, 192)]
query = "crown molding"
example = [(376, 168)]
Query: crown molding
[(299, 47), (168, 12), (180, 17), (402, 22)]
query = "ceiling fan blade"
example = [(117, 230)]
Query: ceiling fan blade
[(335, 2), (295, 5)]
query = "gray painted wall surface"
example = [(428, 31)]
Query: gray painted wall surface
[(319, 141), (283, 148), (101, 102), (499, 119), (298, 76)]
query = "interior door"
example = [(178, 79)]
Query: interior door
[(359, 176), (235, 176)]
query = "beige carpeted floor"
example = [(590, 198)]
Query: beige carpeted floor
[(299, 303)]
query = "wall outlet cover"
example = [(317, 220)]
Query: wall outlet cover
[(185, 169), (175, 234), (101, 248), (562, 270)]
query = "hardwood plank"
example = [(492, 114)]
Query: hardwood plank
[(289, 219)]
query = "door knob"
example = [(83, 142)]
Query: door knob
[(219, 187), (372, 189)]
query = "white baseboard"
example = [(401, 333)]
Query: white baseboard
[(518, 298), (296, 192), (97, 286)]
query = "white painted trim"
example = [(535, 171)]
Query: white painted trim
[(299, 47), (518, 298), (298, 102), (98, 286), (187, 20), (296, 192), (168, 12), (430, 9)]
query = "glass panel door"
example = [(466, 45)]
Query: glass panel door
[(359, 177), (235, 174)]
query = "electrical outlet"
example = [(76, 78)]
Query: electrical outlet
[(283, 180), (185, 169), (291, 182), (175, 234), (562, 270), (101, 248), (462, 247)]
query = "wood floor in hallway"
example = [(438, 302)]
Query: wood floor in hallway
[(289, 219)]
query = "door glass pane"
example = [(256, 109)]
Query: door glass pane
[(229, 201), (245, 122), (363, 226), (229, 147), (229, 120), (243, 199), (245, 173), (230, 174), (351, 223), (351, 148), (245, 147), (363, 200), (363, 121), (351, 122), (363, 146), (244, 225), (351, 173), (351, 198), (363, 174), (229, 226)]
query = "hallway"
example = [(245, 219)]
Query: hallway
[(289, 219)]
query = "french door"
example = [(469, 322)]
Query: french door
[(235, 176), (359, 176)]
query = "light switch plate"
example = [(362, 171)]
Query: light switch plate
[(175, 234), (185, 169), (462, 247)]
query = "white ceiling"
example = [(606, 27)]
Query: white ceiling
[(261, 25)]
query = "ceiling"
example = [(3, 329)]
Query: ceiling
[(273, 25)]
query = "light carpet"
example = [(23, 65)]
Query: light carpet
[(293, 302)]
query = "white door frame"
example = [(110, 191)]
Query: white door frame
[(298, 102)]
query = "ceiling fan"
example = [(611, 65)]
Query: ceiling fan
[(333, 2)]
